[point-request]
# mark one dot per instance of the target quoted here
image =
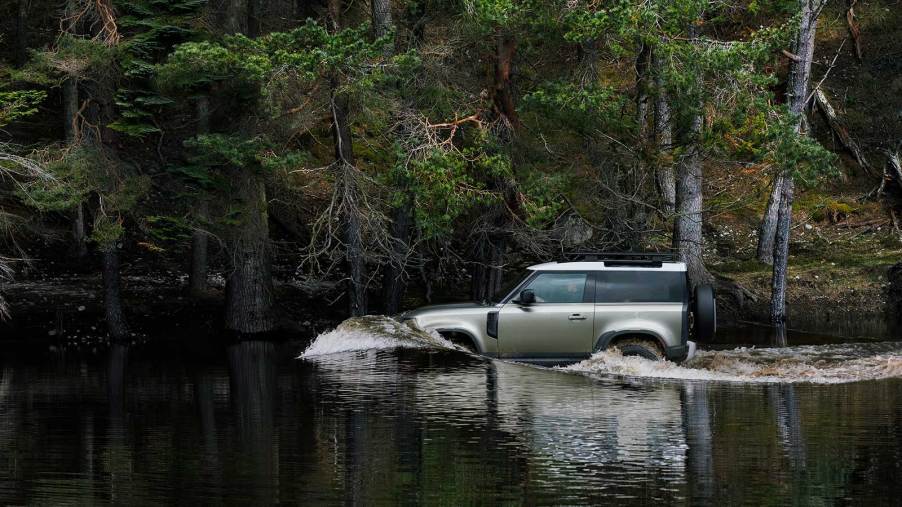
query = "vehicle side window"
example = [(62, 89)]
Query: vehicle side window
[(558, 287), (640, 287)]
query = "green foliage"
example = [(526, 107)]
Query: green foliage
[(797, 153), (445, 186), (72, 56), (168, 229), (19, 104), (106, 231), (542, 197), (225, 150), (582, 108), (151, 28)]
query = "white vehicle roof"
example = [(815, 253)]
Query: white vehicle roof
[(600, 266)]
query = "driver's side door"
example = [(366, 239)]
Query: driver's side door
[(557, 326)]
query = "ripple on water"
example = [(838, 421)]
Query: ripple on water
[(817, 364)]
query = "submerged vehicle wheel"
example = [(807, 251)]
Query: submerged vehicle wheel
[(461, 340), (642, 347)]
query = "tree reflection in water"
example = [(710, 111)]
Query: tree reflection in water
[(246, 423)]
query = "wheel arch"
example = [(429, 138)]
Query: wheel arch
[(612, 337), (467, 335)]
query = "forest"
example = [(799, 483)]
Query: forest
[(366, 156)]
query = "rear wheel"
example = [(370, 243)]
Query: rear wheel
[(641, 347)]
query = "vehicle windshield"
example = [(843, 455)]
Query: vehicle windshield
[(507, 286)]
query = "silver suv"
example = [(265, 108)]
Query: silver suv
[(563, 312)]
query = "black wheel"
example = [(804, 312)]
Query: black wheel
[(704, 311), (640, 347)]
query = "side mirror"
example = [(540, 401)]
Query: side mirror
[(527, 297)]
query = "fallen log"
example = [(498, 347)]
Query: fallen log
[(836, 125)]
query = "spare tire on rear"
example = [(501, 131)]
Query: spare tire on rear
[(704, 313)]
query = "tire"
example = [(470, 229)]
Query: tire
[(704, 311), (640, 347)]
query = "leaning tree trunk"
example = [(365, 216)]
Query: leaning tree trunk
[(797, 95), (112, 299), (197, 277), (687, 230), (249, 289), (663, 140)]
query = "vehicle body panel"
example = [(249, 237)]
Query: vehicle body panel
[(571, 331), (546, 330)]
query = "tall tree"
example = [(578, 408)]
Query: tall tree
[(797, 97)]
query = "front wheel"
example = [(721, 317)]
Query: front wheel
[(640, 347)]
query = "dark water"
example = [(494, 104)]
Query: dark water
[(244, 423)]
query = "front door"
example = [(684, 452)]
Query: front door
[(558, 326)]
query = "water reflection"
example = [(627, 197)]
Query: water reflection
[(249, 424)]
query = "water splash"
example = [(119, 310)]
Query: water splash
[(373, 332), (817, 364)]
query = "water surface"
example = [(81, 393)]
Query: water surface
[(212, 422)]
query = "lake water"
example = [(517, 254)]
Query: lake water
[(358, 420)]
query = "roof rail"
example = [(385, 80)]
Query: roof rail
[(623, 257)]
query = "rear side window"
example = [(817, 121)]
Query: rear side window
[(640, 287), (559, 287)]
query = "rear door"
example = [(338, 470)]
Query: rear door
[(637, 299), (558, 326)]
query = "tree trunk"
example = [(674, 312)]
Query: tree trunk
[(781, 257), (70, 111), (587, 69), (502, 96), (344, 154), (22, 33), (643, 76), (663, 141), (197, 277), (112, 299), (236, 16), (768, 228), (254, 17), (687, 234), (249, 290), (797, 94), (79, 234), (488, 272), (394, 286), (382, 22)]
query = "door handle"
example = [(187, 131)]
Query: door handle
[(576, 316)]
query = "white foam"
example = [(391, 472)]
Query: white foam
[(373, 332), (823, 364)]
